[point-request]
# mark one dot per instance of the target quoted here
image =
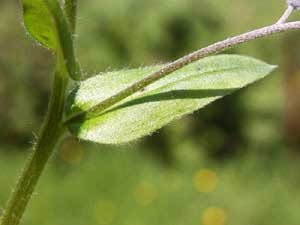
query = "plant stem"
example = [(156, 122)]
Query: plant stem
[(50, 134), (65, 38), (286, 14), (71, 11), (171, 67)]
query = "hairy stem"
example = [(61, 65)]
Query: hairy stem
[(53, 127), (171, 67), (64, 39), (286, 14), (50, 134), (71, 10)]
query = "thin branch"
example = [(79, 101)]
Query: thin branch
[(171, 67), (286, 14)]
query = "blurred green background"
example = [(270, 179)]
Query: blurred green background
[(235, 162)]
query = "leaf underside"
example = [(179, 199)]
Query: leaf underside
[(38, 22), (180, 93)]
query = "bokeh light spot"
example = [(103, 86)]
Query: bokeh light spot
[(105, 212), (205, 180), (145, 193), (213, 216)]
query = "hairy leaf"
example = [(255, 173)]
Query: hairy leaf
[(180, 93), (39, 23)]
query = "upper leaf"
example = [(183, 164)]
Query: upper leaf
[(180, 93), (39, 23), (47, 23)]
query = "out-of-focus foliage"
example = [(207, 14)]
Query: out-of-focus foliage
[(126, 187), (24, 75), (258, 184)]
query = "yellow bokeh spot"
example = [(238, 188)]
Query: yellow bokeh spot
[(145, 193), (105, 212), (205, 180), (214, 216)]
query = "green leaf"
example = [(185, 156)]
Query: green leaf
[(46, 21), (180, 93), (39, 23)]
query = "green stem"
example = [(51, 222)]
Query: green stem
[(71, 10), (52, 130), (65, 39)]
